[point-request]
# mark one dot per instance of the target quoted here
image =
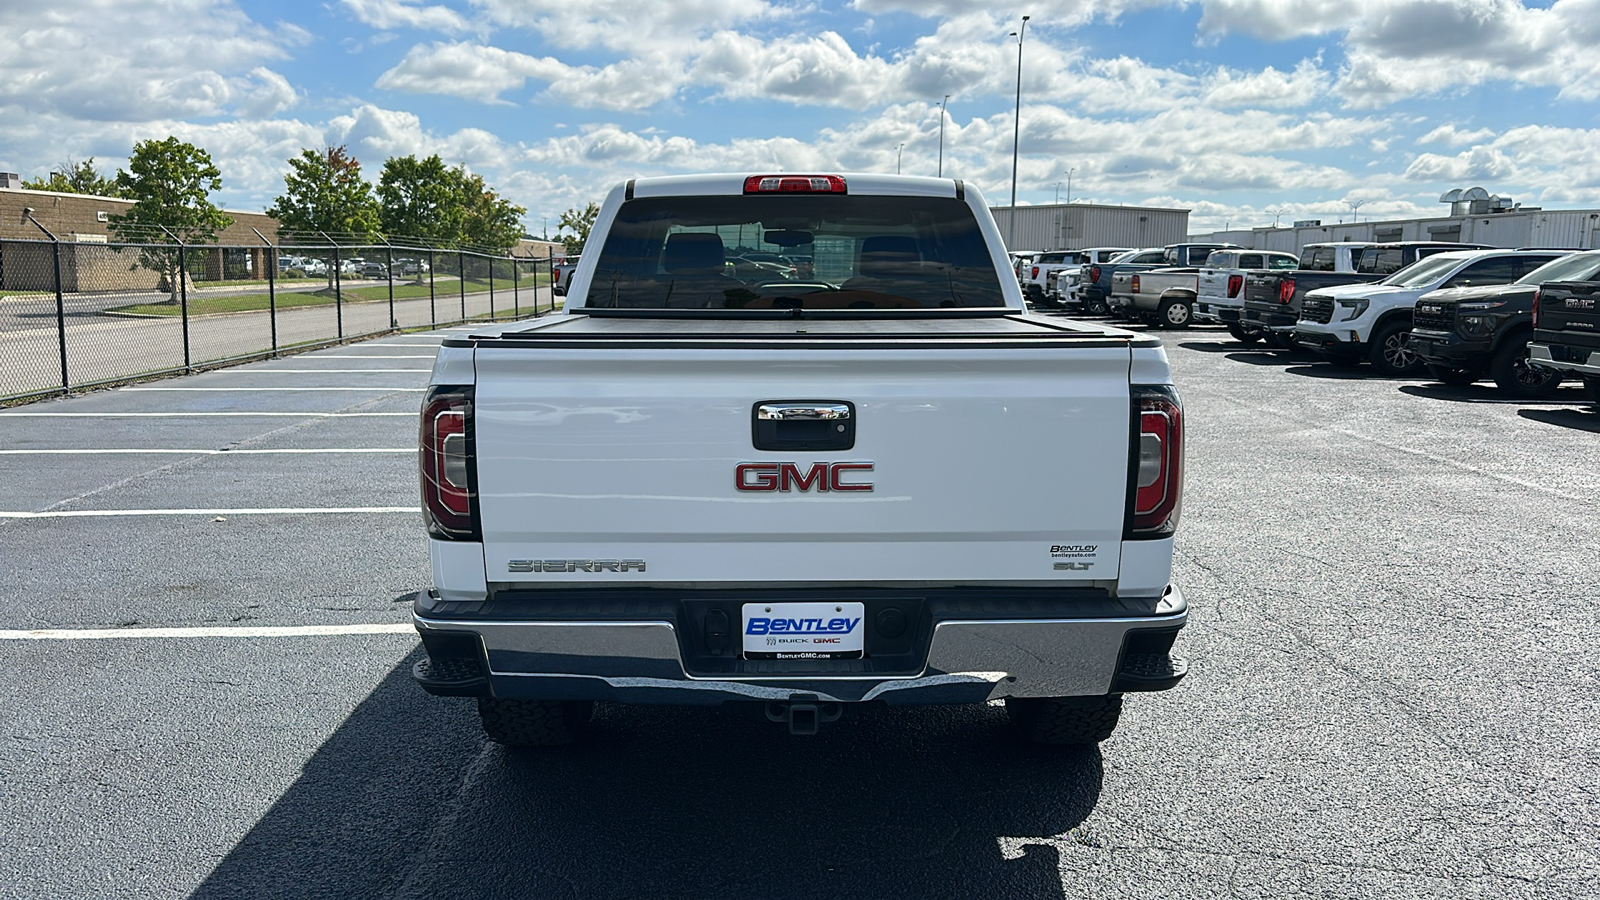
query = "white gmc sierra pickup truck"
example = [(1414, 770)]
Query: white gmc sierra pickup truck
[(885, 483)]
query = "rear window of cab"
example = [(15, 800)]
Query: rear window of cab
[(838, 252)]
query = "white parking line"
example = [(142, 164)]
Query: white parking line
[(149, 390), (188, 415), (263, 511), (206, 631), (371, 356), (314, 371), (192, 452)]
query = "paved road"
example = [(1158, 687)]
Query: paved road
[(101, 347), (1393, 686)]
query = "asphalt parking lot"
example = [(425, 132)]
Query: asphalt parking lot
[(1392, 694)]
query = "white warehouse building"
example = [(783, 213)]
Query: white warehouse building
[(1074, 226), (1473, 220)]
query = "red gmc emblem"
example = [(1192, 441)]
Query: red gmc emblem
[(788, 477)]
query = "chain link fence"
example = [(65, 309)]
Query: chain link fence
[(80, 314)]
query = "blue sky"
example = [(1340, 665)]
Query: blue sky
[(1232, 108)]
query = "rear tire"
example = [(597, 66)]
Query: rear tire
[(1241, 335), (1453, 376), (533, 723), (1065, 721), (1516, 376), (1391, 353), (1096, 307), (1175, 313)]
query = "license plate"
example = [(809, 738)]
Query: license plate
[(803, 630)]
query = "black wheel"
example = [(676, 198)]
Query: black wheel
[(1391, 352), (1513, 373), (1175, 313), (1064, 721), (1241, 335), (1591, 386), (533, 723), (1096, 307), (1453, 376)]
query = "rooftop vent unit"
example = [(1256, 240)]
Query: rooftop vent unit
[(1475, 201), (10, 180)]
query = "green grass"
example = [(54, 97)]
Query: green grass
[(204, 305)]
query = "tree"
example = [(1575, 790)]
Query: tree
[(487, 219), (76, 178), (418, 199), (324, 191), (169, 183), (581, 223)]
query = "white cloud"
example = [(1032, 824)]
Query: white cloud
[(1450, 134), (127, 62), (392, 14), (484, 73), (624, 24), (1404, 48), (270, 94), (1228, 88)]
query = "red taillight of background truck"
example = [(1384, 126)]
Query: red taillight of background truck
[(1235, 284), (1285, 290)]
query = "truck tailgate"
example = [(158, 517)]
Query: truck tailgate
[(987, 463)]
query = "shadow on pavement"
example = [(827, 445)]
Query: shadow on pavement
[(1566, 418), (1484, 393), (1344, 373), (405, 799), (1263, 358)]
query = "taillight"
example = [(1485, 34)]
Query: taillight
[(1155, 477), (1136, 284), (446, 460), (1536, 295), (1235, 282), (1035, 275), (1285, 290), (794, 184), (1094, 273)]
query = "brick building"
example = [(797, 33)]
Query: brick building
[(78, 220)]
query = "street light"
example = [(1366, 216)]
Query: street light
[(1058, 191), (1276, 214), (1016, 133), (901, 149), (1355, 207), (941, 133), (1069, 182)]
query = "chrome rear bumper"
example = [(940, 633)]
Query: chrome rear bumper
[(967, 661)]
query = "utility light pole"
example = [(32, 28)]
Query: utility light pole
[(1016, 133), (942, 105), (1069, 182), (1276, 214), (898, 151), (1355, 208), (1057, 186)]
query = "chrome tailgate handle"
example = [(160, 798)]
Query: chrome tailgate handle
[(802, 411), (803, 425)]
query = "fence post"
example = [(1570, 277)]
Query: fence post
[(461, 269), (490, 261), (183, 294), (550, 258), (61, 302), (388, 253), (272, 287), (516, 288), (433, 315), (338, 286)]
